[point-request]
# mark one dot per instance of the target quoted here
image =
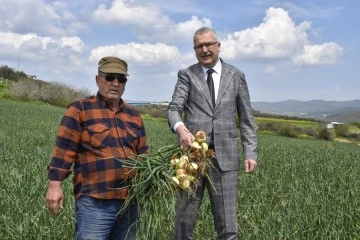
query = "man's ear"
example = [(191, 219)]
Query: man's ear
[(97, 79)]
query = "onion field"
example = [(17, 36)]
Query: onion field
[(303, 189)]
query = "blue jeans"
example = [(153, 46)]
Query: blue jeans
[(96, 219)]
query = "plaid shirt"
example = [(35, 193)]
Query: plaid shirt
[(90, 137)]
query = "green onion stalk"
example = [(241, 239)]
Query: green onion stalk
[(160, 176)]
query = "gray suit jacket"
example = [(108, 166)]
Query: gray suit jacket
[(192, 97)]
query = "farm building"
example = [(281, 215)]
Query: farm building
[(333, 124)]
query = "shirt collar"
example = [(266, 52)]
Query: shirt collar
[(106, 102), (216, 68)]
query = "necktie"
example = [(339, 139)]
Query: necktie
[(210, 83)]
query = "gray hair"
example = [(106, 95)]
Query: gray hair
[(203, 30)]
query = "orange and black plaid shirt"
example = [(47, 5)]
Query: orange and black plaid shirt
[(91, 139)]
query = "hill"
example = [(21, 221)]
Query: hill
[(341, 111)]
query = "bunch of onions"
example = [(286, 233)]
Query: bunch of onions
[(191, 164), (162, 174)]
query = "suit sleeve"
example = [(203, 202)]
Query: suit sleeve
[(179, 100), (246, 119)]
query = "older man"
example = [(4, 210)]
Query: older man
[(94, 133)]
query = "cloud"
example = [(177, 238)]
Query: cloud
[(279, 38), (140, 17), (146, 61), (36, 47), (270, 69), (173, 32), (186, 29), (276, 37), (63, 54), (129, 13), (326, 53), (145, 54), (74, 43), (311, 10), (36, 16)]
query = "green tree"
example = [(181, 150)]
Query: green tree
[(342, 130), (325, 134), (10, 74)]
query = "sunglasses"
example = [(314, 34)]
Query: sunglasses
[(111, 78)]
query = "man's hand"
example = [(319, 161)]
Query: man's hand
[(250, 165), (54, 197), (186, 137)]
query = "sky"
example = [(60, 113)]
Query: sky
[(299, 50)]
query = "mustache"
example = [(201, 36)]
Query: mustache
[(208, 54)]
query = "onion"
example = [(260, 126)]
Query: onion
[(194, 166), (175, 180), (185, 158), (196, 145), (200, 137), (186, 184), (204, 146), (190, 177), (180, 171)]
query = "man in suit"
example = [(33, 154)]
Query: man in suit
[(213, 110)]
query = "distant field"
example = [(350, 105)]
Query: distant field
[(303, 189), (301, 123), (3, 86)]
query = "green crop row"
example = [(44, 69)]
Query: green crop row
[(301, 123), (303, 189)]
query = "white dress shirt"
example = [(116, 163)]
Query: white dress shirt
[(216, 75)]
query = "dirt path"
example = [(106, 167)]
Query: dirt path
[(344, 141), (341, 140)]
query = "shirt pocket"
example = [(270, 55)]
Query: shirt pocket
[(133, 134), (98, 133)]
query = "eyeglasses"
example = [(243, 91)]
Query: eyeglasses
[(208, 45), (111, 78)]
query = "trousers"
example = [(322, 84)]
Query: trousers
[(96, 219)]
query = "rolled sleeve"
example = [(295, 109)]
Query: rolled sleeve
[(57, 174)]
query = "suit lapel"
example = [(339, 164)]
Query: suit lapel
[(226, 76), (201, 83)]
